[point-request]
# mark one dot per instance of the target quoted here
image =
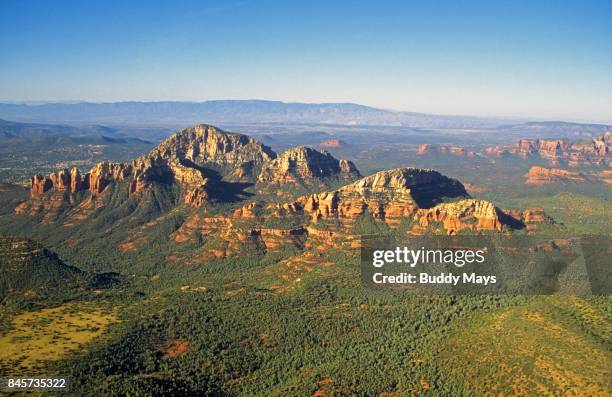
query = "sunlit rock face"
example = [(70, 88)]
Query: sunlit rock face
[(470, 214), (305, 164), (238, 156), (541, 176), (387, 195), (61, 180), (578, 154)]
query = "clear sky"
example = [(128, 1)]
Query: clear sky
[(536, 58)]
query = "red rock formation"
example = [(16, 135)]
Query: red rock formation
[(187, 160), (323, 220), (49, 205), (532, 218), (602, 145), (474, 215), (275, 239), (540, 176), (100, 176), (526, 147), (39, 184), (577, 153), (303, 163), (456, 150), (387, 195), (58, 181), (320, 221), (196, 197), (76, 182), (205, 144), (534, 215), (606, 176), (424, 148), (184, 158), (250, 210), (332, 143), (551, 148)]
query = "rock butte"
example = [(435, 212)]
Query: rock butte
[(541, 176)]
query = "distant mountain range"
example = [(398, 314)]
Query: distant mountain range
[(232, 111), (154, 120), (543, 128), (14, 130), (15, 133)]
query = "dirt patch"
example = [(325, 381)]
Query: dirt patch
[(175, 348), (324, 386), (127, 247), (235, 292)]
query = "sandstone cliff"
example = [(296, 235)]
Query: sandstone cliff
[(387, 195), (207, 163), (595, 152), (470, 214), (237, 156), (303, 167), (541, 176), (60, 180)]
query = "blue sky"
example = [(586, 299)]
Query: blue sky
[(538, 59)]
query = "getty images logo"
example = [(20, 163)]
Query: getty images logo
[(412, 257)]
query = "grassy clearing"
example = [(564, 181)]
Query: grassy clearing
[(46, 335), (534, 349)]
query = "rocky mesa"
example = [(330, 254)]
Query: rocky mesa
[(456, 150), (577, 153), (542, 176)]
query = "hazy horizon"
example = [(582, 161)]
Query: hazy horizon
[(530, 60), (513, 118)]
